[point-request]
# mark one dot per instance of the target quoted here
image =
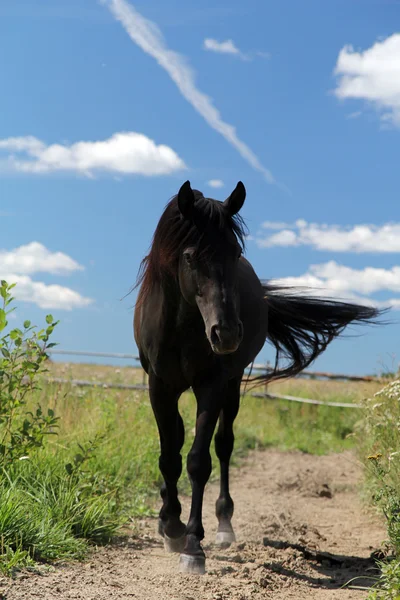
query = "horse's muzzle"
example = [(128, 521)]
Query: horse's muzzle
[(226, 339)]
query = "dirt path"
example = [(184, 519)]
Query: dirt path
[(290, 507)]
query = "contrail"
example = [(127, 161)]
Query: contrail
[(149, 38)]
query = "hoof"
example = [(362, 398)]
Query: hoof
[(225, 538), (174, 544), (193, 565)]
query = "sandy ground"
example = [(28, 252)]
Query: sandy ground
[(291, 508)]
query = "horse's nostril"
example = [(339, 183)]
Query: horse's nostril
[(224, 336), (215, 339)]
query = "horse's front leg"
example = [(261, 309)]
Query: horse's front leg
[(164, 401), (209, 396), (224, 441)]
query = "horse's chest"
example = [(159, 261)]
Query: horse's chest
[(195, 356), (181, 356)]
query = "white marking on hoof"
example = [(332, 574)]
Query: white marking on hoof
[(225, 538), (174, 544), (193, 565)]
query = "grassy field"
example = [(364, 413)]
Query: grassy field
[(101, 469), (128, 451), (261, 422), (320, 390)]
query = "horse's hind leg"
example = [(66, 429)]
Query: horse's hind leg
[(224, 441), (164, 402)]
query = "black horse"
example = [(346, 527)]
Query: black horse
[(201, 317)]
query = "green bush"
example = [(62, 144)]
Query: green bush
[(379, 443), (51, 503), (23, 355)]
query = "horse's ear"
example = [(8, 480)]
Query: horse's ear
[(236, 200), (186, 200)]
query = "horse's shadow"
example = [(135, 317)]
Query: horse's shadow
[(332, 571)]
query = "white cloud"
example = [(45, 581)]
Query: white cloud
[(125, 152), (46, 296), (226, 47), (149, 38), (357, 238), (229, 47), (282, 238), (215, 183), (332, 279), (365, 281), (34, 258), (393, 303), (17, 265), (372, 75)]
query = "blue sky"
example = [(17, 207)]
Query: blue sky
[(105, 114)]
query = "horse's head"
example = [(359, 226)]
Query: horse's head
[(208, 265)]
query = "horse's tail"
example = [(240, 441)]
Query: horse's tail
[(300, 327)]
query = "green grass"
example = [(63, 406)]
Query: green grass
[(387, 586), (101, 470), (291, 426), (128, 453), (46, 514), (378, 437)]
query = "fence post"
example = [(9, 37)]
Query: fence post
[(267, 368)]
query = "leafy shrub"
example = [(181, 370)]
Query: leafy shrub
[(22, 360), (379, 439), (51, 503)]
